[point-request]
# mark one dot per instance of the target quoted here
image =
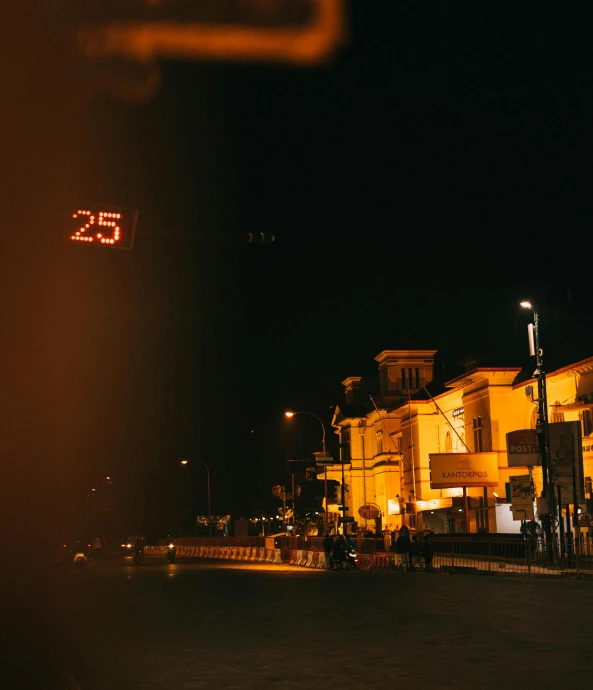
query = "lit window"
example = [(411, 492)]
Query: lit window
[(478, 434), (534, 418), (379, 440), (448, 443), (557, 414)]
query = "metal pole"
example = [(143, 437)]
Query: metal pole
[(561, 526), (209, 505), (575, 514), (466, 510), (185, 462), (311, 414), (324, 467), (325, 516), (343, 508), (364, 477), (293, 506), (543, 433)]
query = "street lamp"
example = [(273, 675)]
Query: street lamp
[(186, 462), (542, 428), (290, 414)]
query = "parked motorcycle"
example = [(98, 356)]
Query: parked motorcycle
[(351, 559), (171, 553)]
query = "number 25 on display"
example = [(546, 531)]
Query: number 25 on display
[(105, 226)]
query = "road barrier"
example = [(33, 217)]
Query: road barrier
[(451, 554), (242, 553)]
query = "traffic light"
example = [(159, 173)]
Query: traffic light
[(332, 490), (102, 225)]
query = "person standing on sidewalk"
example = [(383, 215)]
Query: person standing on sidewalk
[(403, 546), (415, 552), (427, 552), (97, 551), (328, 547)]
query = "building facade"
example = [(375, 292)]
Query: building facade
[(388, 437)]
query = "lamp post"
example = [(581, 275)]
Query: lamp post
[(361, 430), (542, 428), (290, 415), (186, 462)]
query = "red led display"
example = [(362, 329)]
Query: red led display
[(105, 226)]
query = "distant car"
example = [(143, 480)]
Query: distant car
[(75, 552)]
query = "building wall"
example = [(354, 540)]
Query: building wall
[(475, 413)]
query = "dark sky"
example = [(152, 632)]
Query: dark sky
[(434, 173)]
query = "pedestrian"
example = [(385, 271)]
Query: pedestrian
[(339, 552), (97, 548), (415, 552), (328, 547), (402, 547), (427, 552)]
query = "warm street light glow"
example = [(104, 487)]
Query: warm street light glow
[(526, 305), (290, 413), (185, 462)]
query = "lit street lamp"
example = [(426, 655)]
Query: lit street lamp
[(291, 414), (186, 462), (542, 428)]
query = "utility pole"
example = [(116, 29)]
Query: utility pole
[(343, 508), (291, 414), (546, 508)]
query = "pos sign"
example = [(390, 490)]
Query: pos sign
[(523, 448)]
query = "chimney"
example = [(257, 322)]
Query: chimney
[(403, 371), (352, 390)]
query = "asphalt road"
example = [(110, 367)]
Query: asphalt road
[(215, 624)]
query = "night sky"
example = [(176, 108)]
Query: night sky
[(420, 184)]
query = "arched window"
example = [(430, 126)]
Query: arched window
[(379, 440), (448, 443), (345, 445), (534, 418), (556, 414)]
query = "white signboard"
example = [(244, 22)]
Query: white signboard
[(522, 497), (456, 470)]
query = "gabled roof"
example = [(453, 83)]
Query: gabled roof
[(503, 374)]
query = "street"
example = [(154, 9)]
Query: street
[(204, 624)]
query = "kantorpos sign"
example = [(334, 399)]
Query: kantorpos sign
[(523, 448), (566, 461), (456, 470)]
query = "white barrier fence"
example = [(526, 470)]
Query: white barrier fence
[(239, 553)]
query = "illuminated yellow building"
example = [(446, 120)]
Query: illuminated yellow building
[(388, 429)]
